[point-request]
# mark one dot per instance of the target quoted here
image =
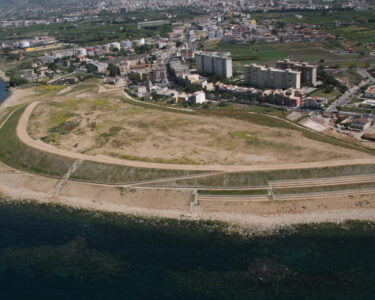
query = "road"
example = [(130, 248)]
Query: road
[(352, 92), (345, 98), (365, 74)]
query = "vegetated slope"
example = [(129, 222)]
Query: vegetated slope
[(263, 177)]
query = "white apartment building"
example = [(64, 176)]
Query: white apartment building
[(215, 63), (199, 97), (271, 78), (308, 72)]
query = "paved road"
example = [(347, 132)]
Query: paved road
[(346, 98), (40, 145), (365, 74), (352, 92)]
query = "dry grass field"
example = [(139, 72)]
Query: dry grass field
[(95, 120)]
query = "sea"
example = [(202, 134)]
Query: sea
[(55, 252), (3, 92)]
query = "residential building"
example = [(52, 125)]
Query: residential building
[(265, 77), (215, 63), (370, 92), (308, 72), (198, 97)]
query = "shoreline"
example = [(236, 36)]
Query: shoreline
[(19, 187), (255, 225), (16, 96), (3, 76), (5, 79)]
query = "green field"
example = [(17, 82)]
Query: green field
[(321, 93), (358, 25), (106, 28), (269, 53)]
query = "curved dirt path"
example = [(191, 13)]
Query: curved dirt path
[(38, 144)]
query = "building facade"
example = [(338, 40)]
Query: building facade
[(271, 78), (370, 92), (214, 63), (308, 72)]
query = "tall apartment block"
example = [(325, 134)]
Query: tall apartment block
[(218, 63), (308, 72), (271, 78)]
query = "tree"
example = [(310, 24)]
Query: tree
[(91, 68), (52, 66), (17, 81), (135, 78), (113, 70)]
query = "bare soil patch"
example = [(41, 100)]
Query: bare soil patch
[(102, 123)]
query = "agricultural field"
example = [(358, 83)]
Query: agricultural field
[(316, 53), (100, 121), (356, 25), (105, 29)]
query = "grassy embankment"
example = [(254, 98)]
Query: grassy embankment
[(341, 187), (261, 178), (281, 191), (20, 156)]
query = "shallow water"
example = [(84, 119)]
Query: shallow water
[(58, 253), (3, 93)]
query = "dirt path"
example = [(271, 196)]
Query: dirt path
[(38, 144)]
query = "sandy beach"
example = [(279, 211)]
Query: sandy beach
[(262, 216), (17, 96)]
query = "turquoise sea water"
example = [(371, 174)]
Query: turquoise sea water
[(3, 93), (60, 253)]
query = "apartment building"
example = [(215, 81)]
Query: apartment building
[(271, 78), (218, 63), (308, 72)]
